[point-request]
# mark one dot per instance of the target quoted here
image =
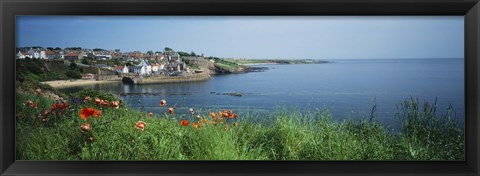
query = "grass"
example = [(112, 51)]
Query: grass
[(282, 135)]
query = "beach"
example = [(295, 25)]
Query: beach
[(71, 83)]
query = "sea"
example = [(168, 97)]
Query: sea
[(348, 88)]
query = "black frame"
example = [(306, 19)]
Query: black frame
[(470, 9)]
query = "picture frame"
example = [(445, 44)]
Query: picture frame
[(470, 9)]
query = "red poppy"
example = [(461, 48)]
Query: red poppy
[(64, 105), (87, 98), (184, 122), (235, 116), (195, 125), (97, 101), (105, 103), (140, 125), (115, 104), (150, 114), (212, 114), (171, 110), (54, 106), (96, 113), (86, 126), (163, 103), (86, 112)]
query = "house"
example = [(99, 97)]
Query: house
[(146, 66), (72, 56), (23, 55), (177, 66), (156, 67), (120, 69), (173, 57), (37, 53), (49, 54), (140, 70)]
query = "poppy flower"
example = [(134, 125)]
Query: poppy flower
[(105, 103), (150, 114), (64, 105), (86, 112), (115, 104), (234, 124), (184, 122), (191, 111), (87, 98), (170, 111), (212, 114), (96, 113), (86, 126), (54, 106), (235, 116), (140, 125), (97, 101), (163, 103), (195, 125)]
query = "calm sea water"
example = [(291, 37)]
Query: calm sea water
[(346, 87)]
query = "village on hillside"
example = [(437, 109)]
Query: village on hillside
[(131, 64)]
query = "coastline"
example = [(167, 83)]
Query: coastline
[(73, 83)]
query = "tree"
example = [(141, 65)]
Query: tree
[(85, 61), (117, 50), (193, 54), (150, 52), (58, 48), (73, 66), (168, 49), (49, 48), (98, 49)]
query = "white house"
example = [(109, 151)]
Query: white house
[(144, 64), (23, 55), (139, 70), (120, 69), (37, 54)]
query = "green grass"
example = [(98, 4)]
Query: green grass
[(282, 135)]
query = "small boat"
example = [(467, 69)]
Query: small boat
[(198, 71)]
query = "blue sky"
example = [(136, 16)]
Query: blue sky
[(314, 37)]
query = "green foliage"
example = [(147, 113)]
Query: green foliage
[(181, 53), (282, 135), (74, 48), (86, 61), (41, 70), (104, 95)]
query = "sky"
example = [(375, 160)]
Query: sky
[(254, 37)]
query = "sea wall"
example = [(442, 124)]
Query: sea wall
[(168, 79)]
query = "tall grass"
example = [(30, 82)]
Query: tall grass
[(283, 135)]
